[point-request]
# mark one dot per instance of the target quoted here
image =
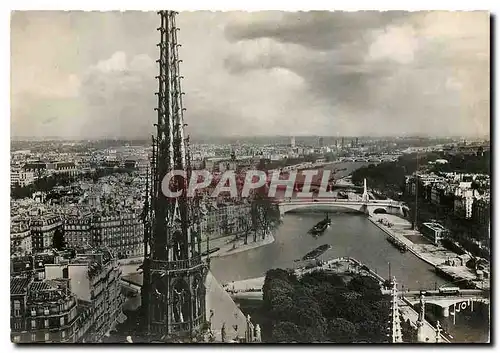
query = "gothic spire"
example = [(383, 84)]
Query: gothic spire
[(396, 335)]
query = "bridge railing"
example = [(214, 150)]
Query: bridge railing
[(337, 200)]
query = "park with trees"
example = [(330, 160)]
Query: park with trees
[(325, 307)]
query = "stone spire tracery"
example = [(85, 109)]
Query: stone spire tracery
[(396, 335)]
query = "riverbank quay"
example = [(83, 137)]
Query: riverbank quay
[(436, 256), (229, 246), (226, 246), (342, 265)]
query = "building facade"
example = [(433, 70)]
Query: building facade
[(434, 232), (122, 234), (481, 211), (21, 178), (223, 220), (463, 203), (67, 168), (77, 230), (43, 228), (43, 311), (20, 239), (94, 278)]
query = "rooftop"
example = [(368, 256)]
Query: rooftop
[(435, 226), (40, 286), (19, 285)]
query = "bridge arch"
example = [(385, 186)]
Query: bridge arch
[(319, 206), (380, 211), (448, 306)]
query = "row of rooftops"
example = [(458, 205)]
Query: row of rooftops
[(75, 215), (18, 227), (451, 181), (77, 255), (48, 165), (21, 285)]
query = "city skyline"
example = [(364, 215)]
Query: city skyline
[(91, 75), (299, 237)]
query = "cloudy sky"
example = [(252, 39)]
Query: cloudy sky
[(91, 74)]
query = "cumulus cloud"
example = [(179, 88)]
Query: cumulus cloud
[(263, 73), (397, 73)]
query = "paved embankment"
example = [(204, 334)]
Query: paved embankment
[(436, 256), (228, 246)]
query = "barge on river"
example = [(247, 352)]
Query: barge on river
[(398, 244), (320, 250), (320, 228)]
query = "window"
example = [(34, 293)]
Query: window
[(62, 321), (16, 339), (63, 334), (33, 324), (46, 323), (17, 308), (33, 312), (33, 337), (47, 336)]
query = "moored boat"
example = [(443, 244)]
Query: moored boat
[(320, 227), (398, 244)]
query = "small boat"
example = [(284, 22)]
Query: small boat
[(321, 226), (398, 244), (205, 253)]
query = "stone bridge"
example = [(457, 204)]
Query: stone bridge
[(328, 204), (464, 300), (333, 204)]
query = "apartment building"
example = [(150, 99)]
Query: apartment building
[(94, 278), (122, 233), (20, 238), (43, 227), (43, 311)]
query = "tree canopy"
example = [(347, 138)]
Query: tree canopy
[(322, 306)]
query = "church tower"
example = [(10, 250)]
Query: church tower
[(173, 292)]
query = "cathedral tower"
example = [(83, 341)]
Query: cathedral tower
[(173, 292)]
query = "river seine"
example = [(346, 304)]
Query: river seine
[(351, 235)]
